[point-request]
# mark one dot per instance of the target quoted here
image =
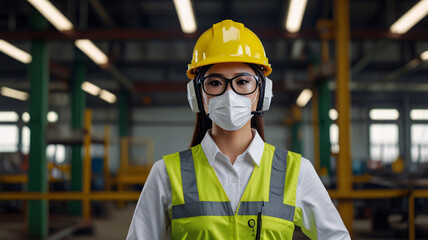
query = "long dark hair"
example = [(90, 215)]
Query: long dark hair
[(204, 123)]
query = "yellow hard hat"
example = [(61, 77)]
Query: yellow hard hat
[(228, 41)]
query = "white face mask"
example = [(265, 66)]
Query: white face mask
[(230, 110)]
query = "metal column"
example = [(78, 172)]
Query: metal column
[(123, 113), (78, 102), (324, 126), (296, 136), (316, 129), (123, 132), (37, 173), (325, 28), (87, 167), (344, 171)]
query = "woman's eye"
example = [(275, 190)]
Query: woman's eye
[(241, 81), (214, 83)]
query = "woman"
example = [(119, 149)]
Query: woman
[(231, 184)]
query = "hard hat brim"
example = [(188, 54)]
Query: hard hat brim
[(225, 59)]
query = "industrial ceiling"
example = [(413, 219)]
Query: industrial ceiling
[(150, 53)]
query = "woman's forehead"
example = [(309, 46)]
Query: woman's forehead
[(230, 69)]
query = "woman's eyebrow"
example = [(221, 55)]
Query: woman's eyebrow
[(215, 75), (222, 75), (241, 73)]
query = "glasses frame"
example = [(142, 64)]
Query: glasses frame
[(229, 81)]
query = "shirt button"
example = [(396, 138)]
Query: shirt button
[(234, 180)]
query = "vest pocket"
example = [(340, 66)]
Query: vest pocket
[(202, 228), (276, 228)]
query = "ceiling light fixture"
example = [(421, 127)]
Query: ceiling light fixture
[(107, 96), (185, 15), (52, 116), (92, 51), (15, 52), (333, 114), (410, 18), (384, 114), (304, 97), (9, 116), (12, 93), (91, 88), (424, 56), (25, 117), (52, 14), (295, 14)]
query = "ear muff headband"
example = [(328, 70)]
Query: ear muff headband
[(260, 74), (194, 95), (198, 94)]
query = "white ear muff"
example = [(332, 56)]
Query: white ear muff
[(191, 96), (268, 94)]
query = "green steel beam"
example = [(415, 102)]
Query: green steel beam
[(123, 112), (324, 125), (296, 143), (78, 102), (296, 135), (37, 173)]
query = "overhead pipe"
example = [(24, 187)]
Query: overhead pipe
[(141, 34), (102, 13), (368, 57), (381, 84), (121, 78)]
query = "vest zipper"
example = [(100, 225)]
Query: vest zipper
[(259, 222)]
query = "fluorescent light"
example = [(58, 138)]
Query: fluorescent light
[(52, 116), (333, 114), (295, 15), (25, 117), (419, 114), (92, 51), (12, 93), (185, 15), (424, 56), (107, 96), (14, 52), (91, 88), (52, 14), (304, 97), (410, 18), (8, 116), (384, 114)]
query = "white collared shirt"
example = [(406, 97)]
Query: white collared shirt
[(320, 219)]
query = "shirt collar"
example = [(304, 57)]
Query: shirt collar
[(254, 150)]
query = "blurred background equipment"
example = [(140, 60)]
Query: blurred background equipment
[(93, 93)]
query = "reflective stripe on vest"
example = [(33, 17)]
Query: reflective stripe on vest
[(192, 207)]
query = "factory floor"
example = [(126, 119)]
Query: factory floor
[(114, 225)]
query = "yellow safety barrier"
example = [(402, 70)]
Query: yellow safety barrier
[(130, 173)]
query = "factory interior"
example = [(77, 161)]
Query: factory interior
[(93, 93)]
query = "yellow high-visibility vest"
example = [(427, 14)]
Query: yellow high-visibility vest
[(201, 209)]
